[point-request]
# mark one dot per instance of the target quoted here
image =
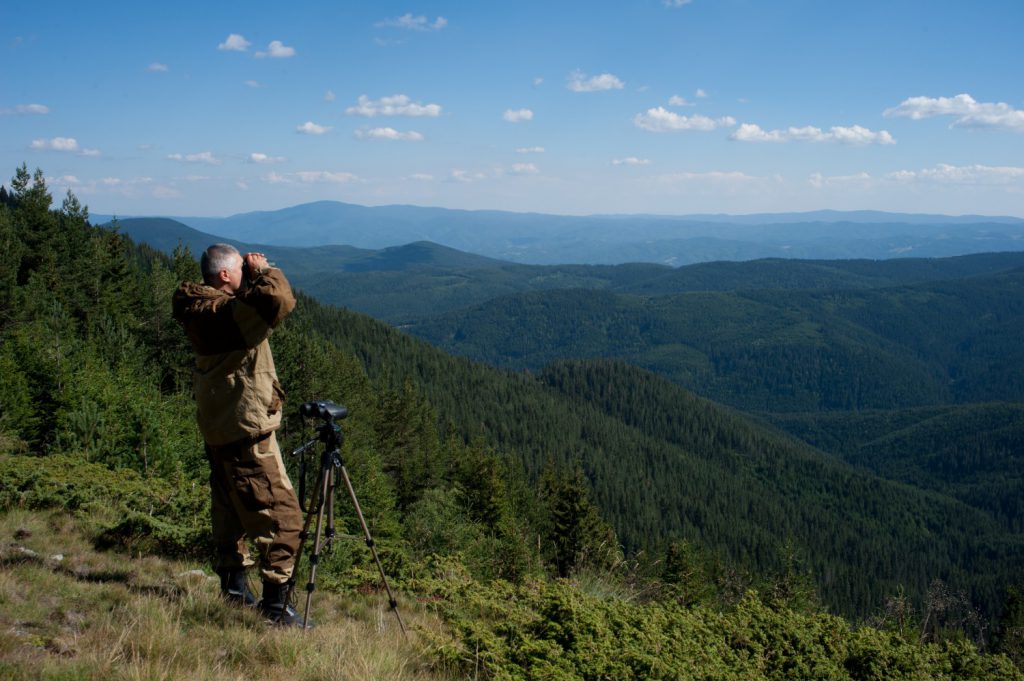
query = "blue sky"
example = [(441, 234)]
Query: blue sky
[(644, 106)]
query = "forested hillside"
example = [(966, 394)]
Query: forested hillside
[(769, 350), (585, 470)]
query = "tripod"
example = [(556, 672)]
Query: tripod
[(330, 434)]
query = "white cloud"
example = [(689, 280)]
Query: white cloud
[(57, 144), (675, 3), (234, 43), (819, 181), (415, 23), (460, 175), (257, 157), (311, 128), (243, 185), (157, 67), (530, 150), (517, 115), (660, 119), (389, 134), (538, 81), (421, 177), (967, 112), (206, 157), (630, 161), (26, 109), (676, 100), (65, 144), (855, 135), (700, 94), (329, 96), (524, 169), (965, 175), (311, 177), (254, 83), (278, 50), (395, 105), (578, 82)]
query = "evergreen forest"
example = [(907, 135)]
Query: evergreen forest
[(696, 504)]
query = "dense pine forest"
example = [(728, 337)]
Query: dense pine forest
[(507, 496)]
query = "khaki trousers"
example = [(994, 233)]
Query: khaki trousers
[(252, 498)]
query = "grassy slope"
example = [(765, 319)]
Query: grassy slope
[(70, 611)]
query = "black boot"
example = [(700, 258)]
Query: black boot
[(235, 589), (276, 609)]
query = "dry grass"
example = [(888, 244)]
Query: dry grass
[(70, 612)]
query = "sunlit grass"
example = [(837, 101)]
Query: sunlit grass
[(68, 611)]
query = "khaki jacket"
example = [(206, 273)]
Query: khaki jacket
[(237, 393)]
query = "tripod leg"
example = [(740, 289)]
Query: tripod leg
[(326, 495), (369, 543)]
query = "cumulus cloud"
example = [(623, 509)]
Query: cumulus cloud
[(206, 157), (530, 150), (26, 110), (524, 169), (675, 3), (676, 100), (157, 67), (578, 82), (278, 50), (538, 81), (414, 23), (311, 128), (311, 177), (329, 96), (395, 105), (855, 135), (65, 144), (964, 109), (630, 161), (257, 157), (700, 94), (660, 119), (389, 134), (254, 83), (234, 43), (517, 115), (56, 144)]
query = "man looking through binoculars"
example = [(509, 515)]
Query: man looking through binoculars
[(228, 319)]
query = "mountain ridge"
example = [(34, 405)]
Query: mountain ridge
[(535, 238)]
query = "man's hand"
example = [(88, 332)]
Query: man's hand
[(255, 263)]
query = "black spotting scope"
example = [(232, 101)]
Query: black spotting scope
[(323, 409)]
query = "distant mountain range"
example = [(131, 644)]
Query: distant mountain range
[(536, 238)]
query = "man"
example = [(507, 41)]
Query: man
[(228, 319)]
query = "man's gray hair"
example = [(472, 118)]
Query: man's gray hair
[(216, 258)]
